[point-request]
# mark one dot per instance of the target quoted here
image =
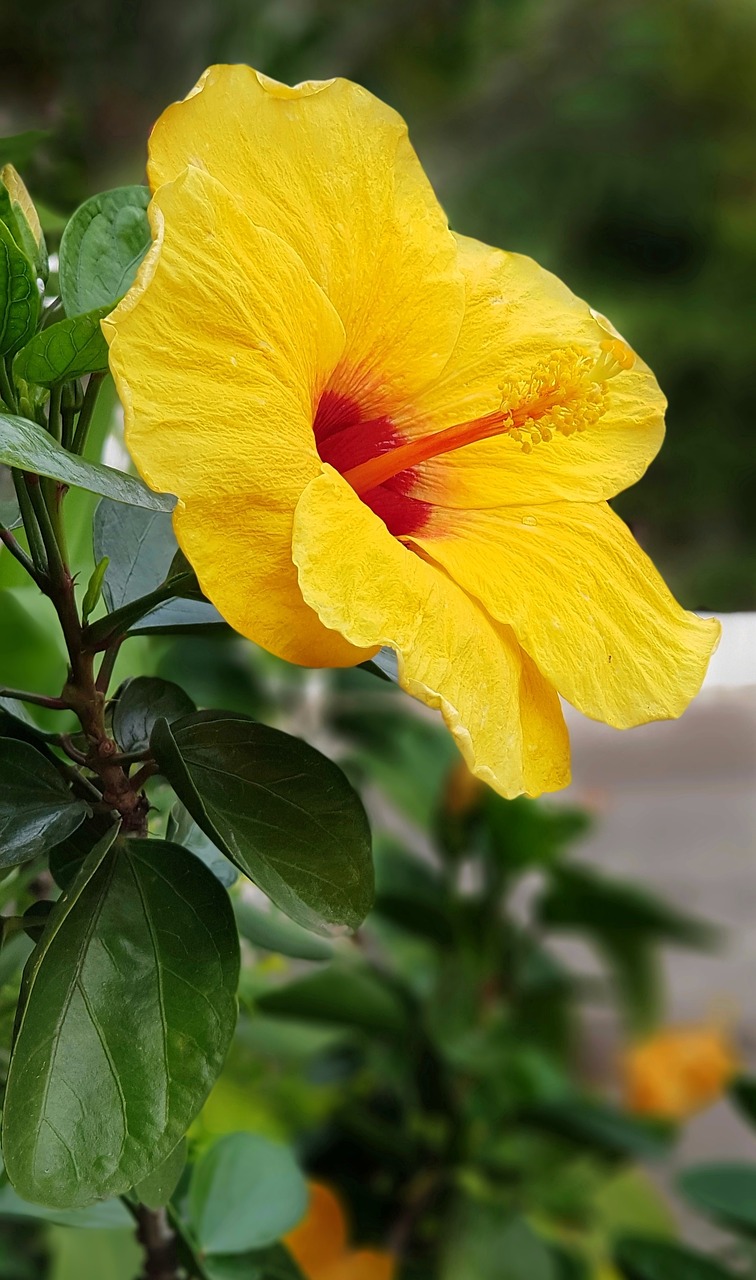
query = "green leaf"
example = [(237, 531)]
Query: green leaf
[(16, 722), (568, 1265), (94, 589), (487, 1244), (20, 147), (725, 1192), (183, 830), (29, 447), (128, 1008), (343, 995), (108, 1213), (638, 1258), (19, 295), (157, 1188), (65, 350), (275, 806), (142, 701), (141, 547), (68, 857), (603, 1128), (102, 247), (18, 213), (37, 808), (245, 1193), (263, 1264), (743, 1094), (579, 898), (274, 932)]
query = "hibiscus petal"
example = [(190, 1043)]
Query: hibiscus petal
[(364, 1264), (321, 1237), (584, 601), (220, 353), (517, 316), (361, 581), (329, 168)]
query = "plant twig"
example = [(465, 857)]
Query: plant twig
[(17, 551), (87, 410), (39, 699), (158, 1239), (31, 528)]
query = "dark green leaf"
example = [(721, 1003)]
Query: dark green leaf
[(581, 898), (603, 1128), (20, 147), (743, 1094), (37, 808), (67, 858), (568, 1265), (142, 701), (637, 1258), (157, 1188), (280, 810), (128, 1007), (725, 1192), (264, 1264), (487, 1244), (109, 1213), (16, 722), (19, 295), (183, 830), (245, 1193), (26, 445), (275, 932), (65, 350), (141, 547), (101, 248), (341, 995)]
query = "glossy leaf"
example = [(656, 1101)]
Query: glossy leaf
[(725, 1192), (68, 857), (342, 995), (183, 830), (29, 447), (637, 1258), (17, 722), (142, 701), (157, 1188), (128, 1007), (18, 213), (603, 1128), (141, 548), (65, 350), (37, 808), (101, 248), (245, 1193), (19, 295), (279, 809)]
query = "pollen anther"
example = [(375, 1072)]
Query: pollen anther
[(563, 395)]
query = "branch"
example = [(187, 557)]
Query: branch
[(158, 1240), (39, 699)]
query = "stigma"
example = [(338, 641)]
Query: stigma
[(563, 395)]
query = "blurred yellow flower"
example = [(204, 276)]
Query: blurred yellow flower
[(320, 1248), (381, 433), (678, 1071)]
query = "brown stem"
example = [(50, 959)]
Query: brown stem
[(159, 1243)]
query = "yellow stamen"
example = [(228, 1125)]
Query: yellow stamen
[(563, 395)]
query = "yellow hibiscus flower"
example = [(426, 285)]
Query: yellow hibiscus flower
[(319, 1245), (381, 433)]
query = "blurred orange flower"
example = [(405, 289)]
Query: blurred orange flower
[(678, 1071), (319, 1245)]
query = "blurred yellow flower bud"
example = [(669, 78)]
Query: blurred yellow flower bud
[(678, 1071), (319, 1245)]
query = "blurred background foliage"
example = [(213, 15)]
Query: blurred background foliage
[(434, 1070), (613, 140)]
